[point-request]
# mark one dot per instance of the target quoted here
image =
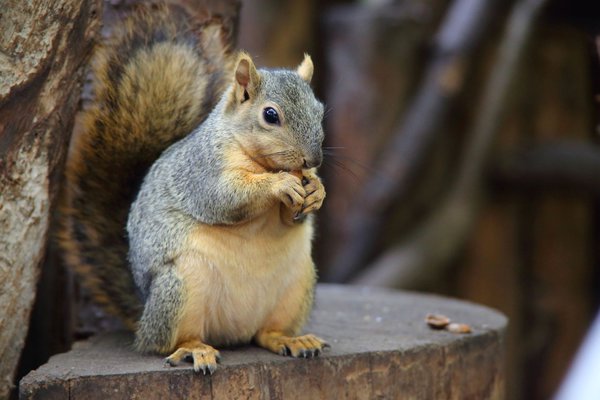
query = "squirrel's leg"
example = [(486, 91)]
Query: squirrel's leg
[(281, 327), (157, 329)]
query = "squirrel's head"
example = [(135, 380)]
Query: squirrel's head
[(277, 118)]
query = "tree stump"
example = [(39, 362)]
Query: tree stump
[(381, 348)]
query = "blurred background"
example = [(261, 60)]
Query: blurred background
[(461, 159)]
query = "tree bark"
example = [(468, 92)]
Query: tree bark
[(44, 47)]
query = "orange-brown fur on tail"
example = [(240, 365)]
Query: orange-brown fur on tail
[(155, 82)]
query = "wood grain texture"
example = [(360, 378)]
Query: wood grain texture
[(381, 348), (43, 49)]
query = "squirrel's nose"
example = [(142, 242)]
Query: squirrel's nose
[(312, 162)]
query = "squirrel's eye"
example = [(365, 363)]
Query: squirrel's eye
[(270, 115)]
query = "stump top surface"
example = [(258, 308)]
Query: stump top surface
[(356, 321)]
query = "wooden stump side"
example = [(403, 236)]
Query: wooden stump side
[(44, 47), (381, 349)]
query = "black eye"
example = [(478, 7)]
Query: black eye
[(270, 115)]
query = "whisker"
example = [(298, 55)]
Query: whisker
[(356, 163), (330, 152), (328, 110), (333, 170), (341, 166)]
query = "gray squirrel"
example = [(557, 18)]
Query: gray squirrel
[(218, 161)]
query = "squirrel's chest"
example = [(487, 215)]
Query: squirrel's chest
[(260, 247), (234, 277)]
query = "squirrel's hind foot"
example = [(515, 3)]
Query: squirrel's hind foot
[(203, 356), (306, 346)]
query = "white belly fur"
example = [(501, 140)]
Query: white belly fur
[(235, 276)]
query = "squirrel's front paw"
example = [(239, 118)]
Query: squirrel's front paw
[(315, 194), (288, 188)]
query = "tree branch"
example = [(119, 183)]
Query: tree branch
[(558, 164)]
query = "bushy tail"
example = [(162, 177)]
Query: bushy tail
[(155, 81)]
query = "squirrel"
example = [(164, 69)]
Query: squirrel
[(190, 193)]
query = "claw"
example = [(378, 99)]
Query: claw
[(286, 351), (205, 368), (170, 362), (211, 369), (299, 217)]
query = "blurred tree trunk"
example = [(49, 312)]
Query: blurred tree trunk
[(44, 47), (277, 33), (530, 255), (375, 62)]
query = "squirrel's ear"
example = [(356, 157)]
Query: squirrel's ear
[(305, 69), (246, 78)]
